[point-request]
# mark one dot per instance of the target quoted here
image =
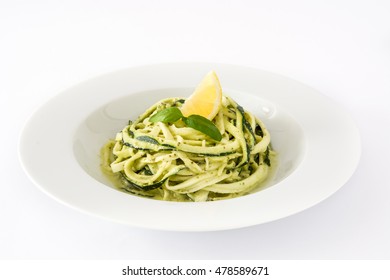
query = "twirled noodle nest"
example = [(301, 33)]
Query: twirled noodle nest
[(177, 163)]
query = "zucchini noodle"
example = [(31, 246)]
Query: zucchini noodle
[(178, 163)]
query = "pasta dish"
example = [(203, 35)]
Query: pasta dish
[(168, 156)]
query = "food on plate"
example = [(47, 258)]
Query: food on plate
[(203, 148)]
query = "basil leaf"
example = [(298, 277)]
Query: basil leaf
[(203, 125), (171, 114)]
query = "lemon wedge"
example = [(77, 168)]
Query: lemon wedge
[(206, 100)]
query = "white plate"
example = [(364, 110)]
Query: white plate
[(317, 142)]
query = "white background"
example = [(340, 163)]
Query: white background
[(341, 48)]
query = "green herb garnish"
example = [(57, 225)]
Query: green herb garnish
[(171, 114), (202, 124)]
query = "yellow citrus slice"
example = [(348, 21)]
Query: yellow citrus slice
[(206, 99)]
